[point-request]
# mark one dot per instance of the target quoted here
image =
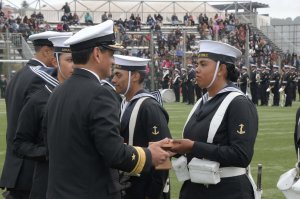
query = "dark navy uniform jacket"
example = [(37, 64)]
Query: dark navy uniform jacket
[(151, 125), (29, 141), (83, 138), (232, 146), (17, 172)]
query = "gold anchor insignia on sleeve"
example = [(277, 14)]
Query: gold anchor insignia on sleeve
[(133, 157), (241, 131), (155, 132)]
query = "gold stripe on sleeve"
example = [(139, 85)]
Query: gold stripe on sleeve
[(141, 161)]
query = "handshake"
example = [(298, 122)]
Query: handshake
[(163, 150)]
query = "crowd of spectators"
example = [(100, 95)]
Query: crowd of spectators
[(169, 45)]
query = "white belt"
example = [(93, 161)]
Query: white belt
[(226, 172)]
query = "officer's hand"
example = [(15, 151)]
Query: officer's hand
[(182, 146), (159, 155)]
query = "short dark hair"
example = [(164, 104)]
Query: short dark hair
[(142, 75), (82, 56), (38, 48)]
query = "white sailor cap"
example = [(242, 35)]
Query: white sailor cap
[(218, 51), (267, 68), (130, 63), (183, 69), (253, 65), (59, 46), (41, 39), (275, 66), (286, 66), (245, 67), (98, 35)]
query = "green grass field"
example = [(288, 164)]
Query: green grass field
[(274, 146)]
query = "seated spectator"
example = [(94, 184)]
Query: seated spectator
[(40, 17), (150, 20), (75, 19), (88, 19), (174, 19), (33, 16), (59, 27), (18, 19), (159, 18), (66, 27), (132, 17), (206, 35), (104, 17), (64, 18), (186, 19), (25, 19), (191, 20), (70, 19)]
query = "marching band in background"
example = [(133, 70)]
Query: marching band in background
[(266, 86)]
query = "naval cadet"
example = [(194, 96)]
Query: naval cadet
[(143, 120), (82, 124), (184, 85), (191, 84), (264, 85), (275, 77), (244, 79), (225, 138), (29, 142), (254, 84), (176, 85), (17, 172)]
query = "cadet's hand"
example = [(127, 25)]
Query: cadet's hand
[(182, 146), (159, 156)]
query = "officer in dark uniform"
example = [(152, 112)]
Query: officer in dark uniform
[(165, 78), (29, 142), (82, 124), (233, 144), (275, 88), (17, 172), (288, 80), (191, 84), (253, 84), (294, 82), (184, 85), (265, 77), (176, 84), (244, 79), (143, 120)]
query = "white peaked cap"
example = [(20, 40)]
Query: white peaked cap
[(92, 36), (41, 39), (58, 43), (218, 51), (130, 63)]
